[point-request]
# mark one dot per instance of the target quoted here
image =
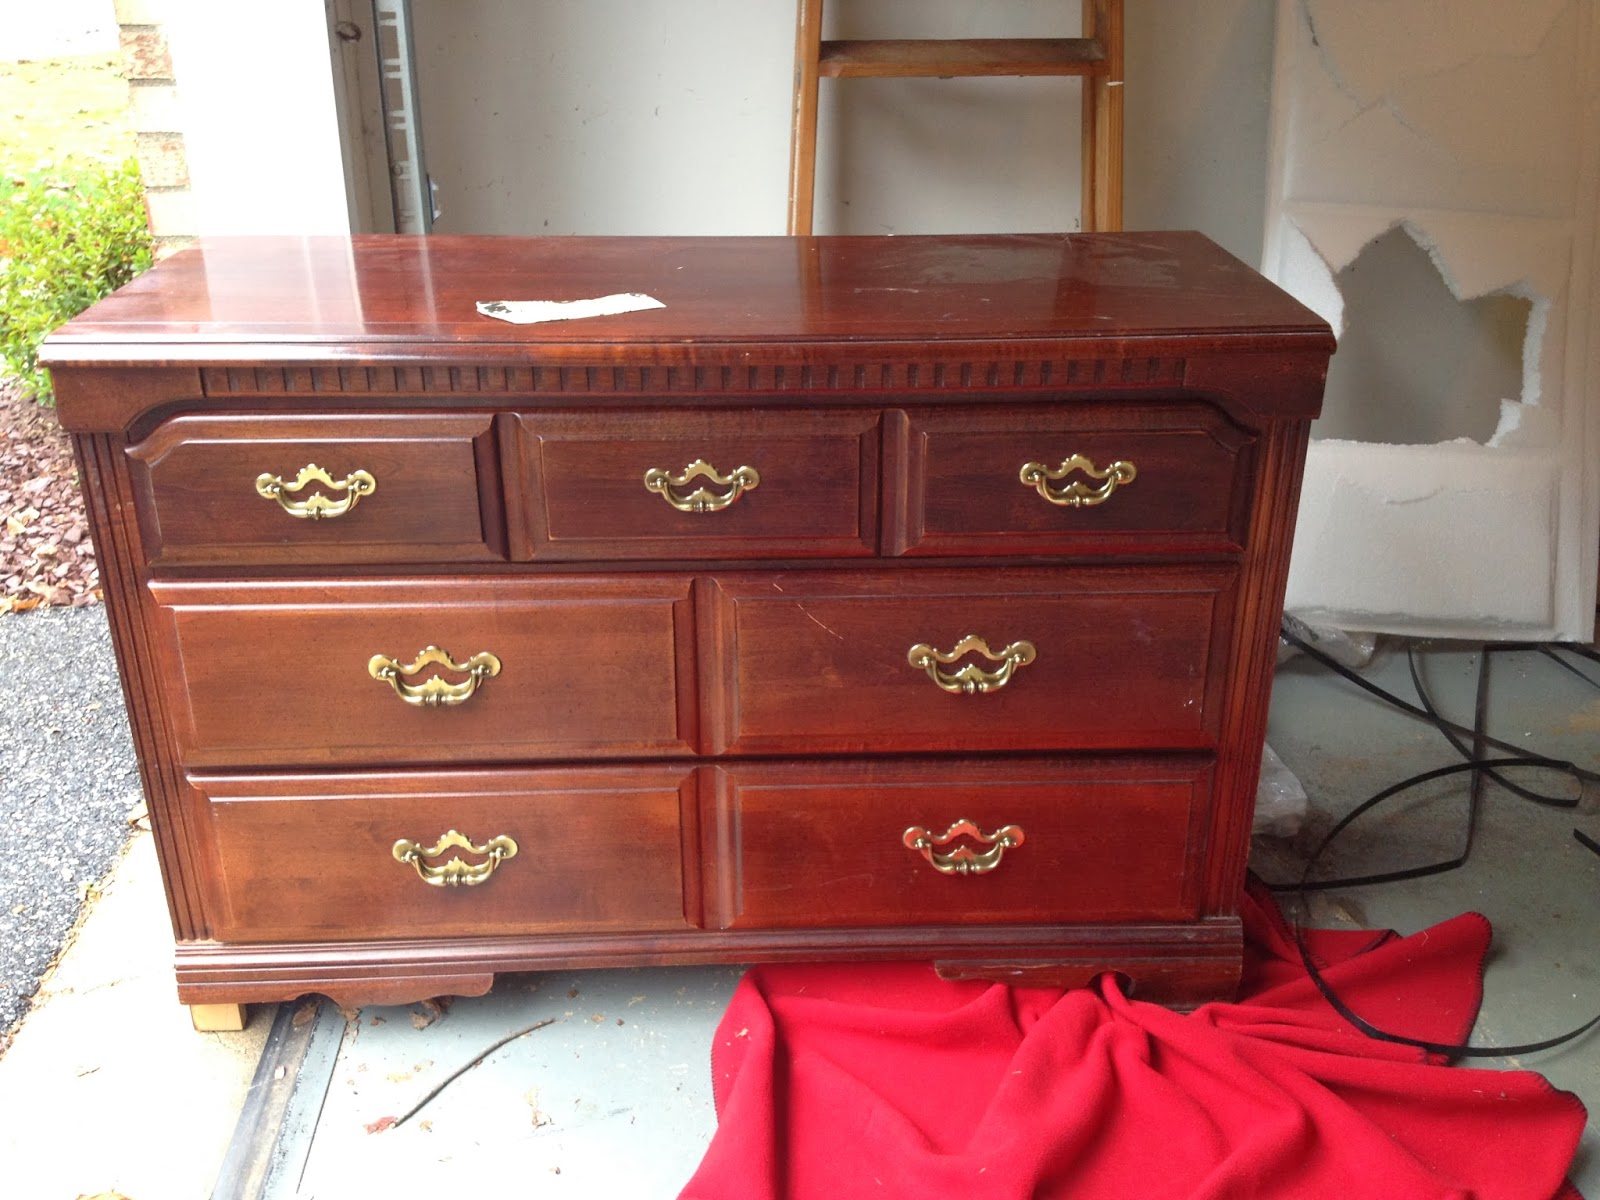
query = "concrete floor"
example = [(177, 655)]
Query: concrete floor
[(613, 1097)]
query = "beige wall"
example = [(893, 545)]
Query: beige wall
[(234, 110), (653, 116)]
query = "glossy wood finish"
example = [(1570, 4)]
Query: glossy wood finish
[(817, 495), (437, 492), (1106, 841), (301, 858), (807, 663), (276, 674), (698, 712), (964, 495), (375, 314)]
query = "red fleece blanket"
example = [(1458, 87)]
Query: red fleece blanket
[(838, 1082)]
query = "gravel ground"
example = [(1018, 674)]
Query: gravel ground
[(68, 785)]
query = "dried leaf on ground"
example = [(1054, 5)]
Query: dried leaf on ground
[(45, 553), (431, 1011)]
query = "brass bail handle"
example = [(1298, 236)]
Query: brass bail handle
[(434, 692), (316, 506), (456, 871), (702, 500), (963, 860), (1077, 493), (971, 679)]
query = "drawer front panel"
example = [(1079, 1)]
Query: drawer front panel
[(307, 858), (814, 494), (825, 845), (280, 674), (1183, 483), (434, 489), (821, 663)]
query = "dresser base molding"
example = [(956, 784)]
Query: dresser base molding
[(1178, 963)]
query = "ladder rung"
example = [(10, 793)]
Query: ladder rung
[(949, 57)]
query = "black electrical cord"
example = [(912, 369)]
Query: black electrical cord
[(1406, 706), (1550, 653), (1479, 766), (1480, 738), (1583, 839)]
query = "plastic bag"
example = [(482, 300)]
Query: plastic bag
[(1353, 650), (1280, 800)]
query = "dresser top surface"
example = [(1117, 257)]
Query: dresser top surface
[(383, 291)]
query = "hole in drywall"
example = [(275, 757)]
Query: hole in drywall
[(1416, 365)]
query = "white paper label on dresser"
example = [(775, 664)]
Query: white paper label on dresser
[(531, 312)]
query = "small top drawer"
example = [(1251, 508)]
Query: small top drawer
[(679, 485), (320, 489), (1078, 478)]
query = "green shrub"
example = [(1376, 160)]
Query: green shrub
[(67, 238)]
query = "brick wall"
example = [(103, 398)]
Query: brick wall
[(157, 123)]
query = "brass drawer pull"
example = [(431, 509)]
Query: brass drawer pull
[(316, 506), (963, 860), (458, 872), (434, 691), (971, 679), (702, 500), (1077, 493)]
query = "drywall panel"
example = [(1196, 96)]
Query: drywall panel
[(1459, 100), (1470, 506), (1427, 540)]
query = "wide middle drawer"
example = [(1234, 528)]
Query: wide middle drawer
[(972, 660), (287, 674)]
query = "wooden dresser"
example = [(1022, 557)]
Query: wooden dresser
[(874, 598)]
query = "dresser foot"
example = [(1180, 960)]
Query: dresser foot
[(217, 1018)]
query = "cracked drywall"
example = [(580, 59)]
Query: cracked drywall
[(1471, 127), (1425, 540), (1417, 363), (1317, 250), (1441, 98)]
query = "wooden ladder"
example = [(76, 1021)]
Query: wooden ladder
[(1096, 56)]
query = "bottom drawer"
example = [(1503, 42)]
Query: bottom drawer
[(825, 845), (298, 858)]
